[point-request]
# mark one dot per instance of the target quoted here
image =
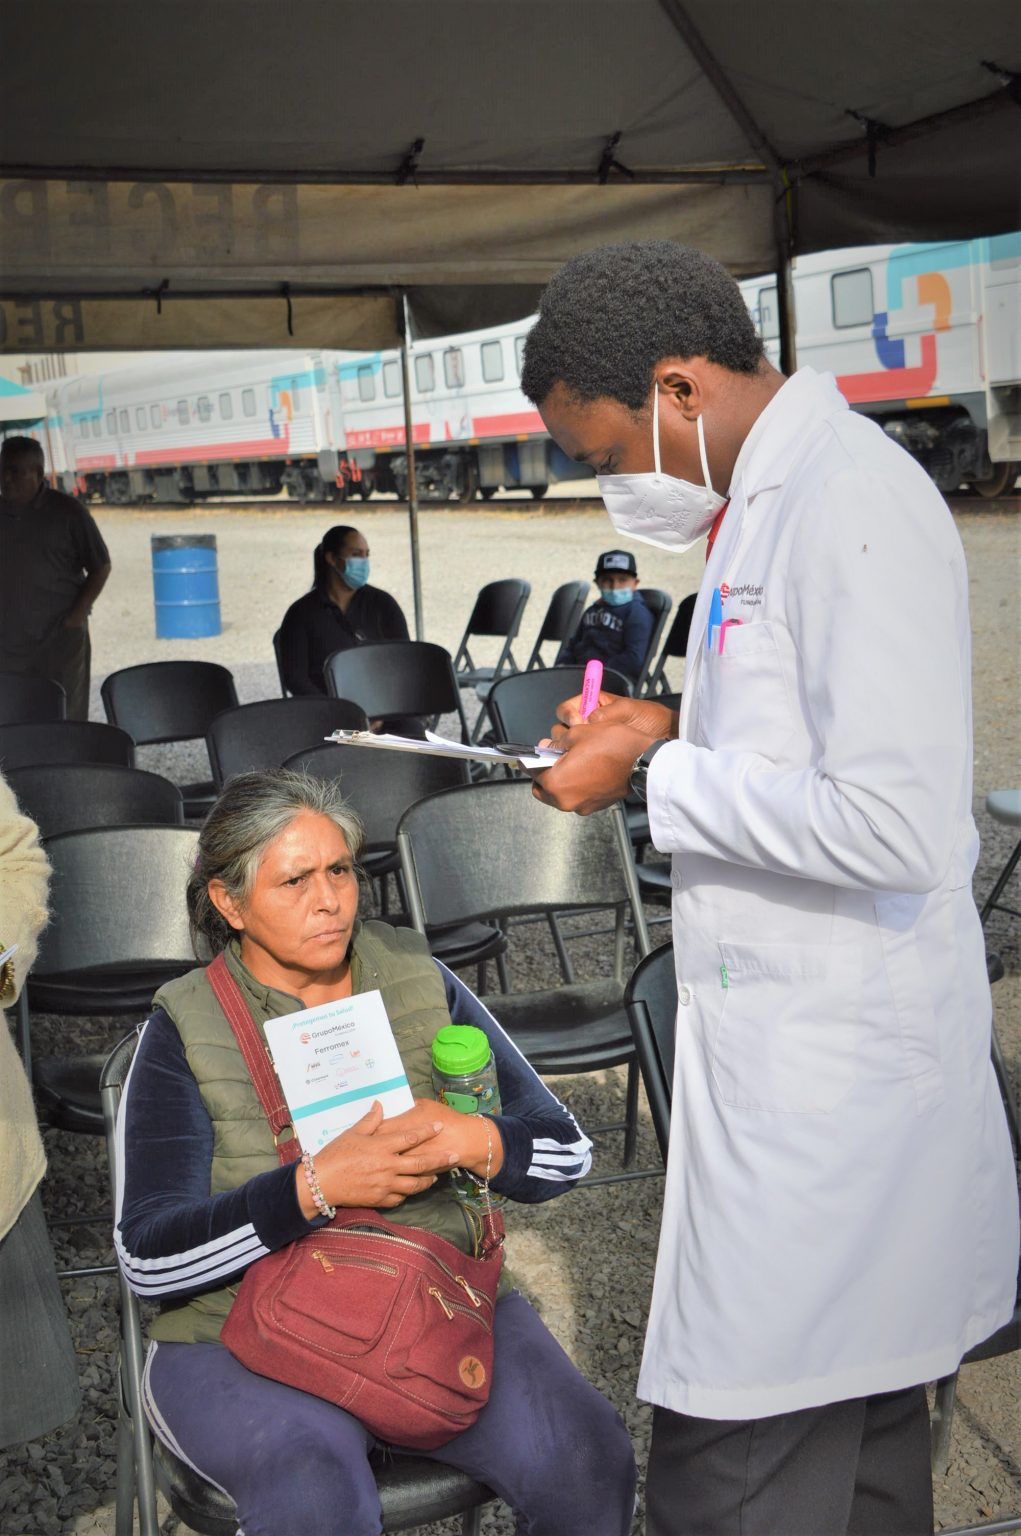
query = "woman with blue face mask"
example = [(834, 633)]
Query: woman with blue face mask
[(618, 628), (341, 610)]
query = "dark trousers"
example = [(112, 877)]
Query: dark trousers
[(857, 1468)]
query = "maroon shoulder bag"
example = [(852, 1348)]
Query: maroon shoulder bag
[(390, 1322)]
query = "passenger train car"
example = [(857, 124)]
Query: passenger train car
[(924, 338)]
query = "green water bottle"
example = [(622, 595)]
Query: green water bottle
[(464, 1077)]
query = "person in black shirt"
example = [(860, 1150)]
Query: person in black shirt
[(341, 611)]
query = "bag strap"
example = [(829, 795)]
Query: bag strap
[(257, 1058)]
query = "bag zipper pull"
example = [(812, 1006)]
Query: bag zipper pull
[(435, 1291), (475, 1300), (317, 1253)]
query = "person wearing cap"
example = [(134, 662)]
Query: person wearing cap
[(617, 629)]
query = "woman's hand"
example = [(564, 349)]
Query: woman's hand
[(380, 1162), (474, 1142)]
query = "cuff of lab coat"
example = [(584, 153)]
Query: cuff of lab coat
[(663, 774)]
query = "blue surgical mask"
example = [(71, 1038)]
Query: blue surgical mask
[(356, 570), (617, 597)]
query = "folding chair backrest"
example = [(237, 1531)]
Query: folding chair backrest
[(64, 741), (71, 797), (650, 999), (264, 734), (659, 604), (675, 644), (381, 785), (167, 700), (491, 849), (24, 698), (566, 607), (396, 677), (117, 900), (499, 607), (523, 706), (279, 655)]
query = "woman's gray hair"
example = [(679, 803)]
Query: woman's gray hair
[(250, 811)]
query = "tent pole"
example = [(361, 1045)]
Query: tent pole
[(784, 209), (409, 459)]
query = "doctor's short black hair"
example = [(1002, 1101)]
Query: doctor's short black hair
[(610, 314)]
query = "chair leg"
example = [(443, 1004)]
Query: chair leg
[(125, 1506), (1010, 1103), (942, 1422), (631, 1114), (997, 891), (566, 968), (502, 973)]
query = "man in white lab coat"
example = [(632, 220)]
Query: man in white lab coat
[(840, 1211)]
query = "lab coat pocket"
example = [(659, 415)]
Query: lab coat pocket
[(743, 701), (787, 1036), (896, 917)]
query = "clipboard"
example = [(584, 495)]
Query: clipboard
[(442, 746)]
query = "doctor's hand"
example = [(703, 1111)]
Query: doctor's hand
[(594, 767), (654, 720)]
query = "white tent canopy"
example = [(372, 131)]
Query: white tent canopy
[(303, 163)]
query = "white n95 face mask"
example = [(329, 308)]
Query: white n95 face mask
[(660, 509)]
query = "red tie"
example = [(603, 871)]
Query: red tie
[(714, 530)]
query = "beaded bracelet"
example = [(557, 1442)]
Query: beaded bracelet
[(318, 1198)]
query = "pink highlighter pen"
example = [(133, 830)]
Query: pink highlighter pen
[(590, 687)]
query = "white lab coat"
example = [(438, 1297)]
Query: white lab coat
[(840, 1209)]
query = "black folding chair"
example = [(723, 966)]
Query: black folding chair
[(675, 645), (498, 611), (566, 607), (381, 786), (71, 797), (659, 604), (264, 734), (488, 851), (523, 706), (161, 701), (279, 658), (413, 1491), (24, 698), (64, 741), (397, 677)]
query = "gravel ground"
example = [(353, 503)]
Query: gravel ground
[(586, 1259)]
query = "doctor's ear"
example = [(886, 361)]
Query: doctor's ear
[(681, 386)]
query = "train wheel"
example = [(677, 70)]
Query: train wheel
[(538, 491), (1000, 483), (365, 487), (118, 490)]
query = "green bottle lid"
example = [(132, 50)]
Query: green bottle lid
[(460, 1049)]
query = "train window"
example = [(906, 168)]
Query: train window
[(82, 427), (366, 383), (111, 423), (140, 417), (248, 401), (295, 394), (204, 408), (852, 297), (769, 319), (453, 367), (492, 361), (425, 373), (519, 353), (97, 426), (125, 423), (391, 379), (226, 407), (155, 415), (183, 414)]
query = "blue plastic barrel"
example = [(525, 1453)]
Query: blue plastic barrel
[(185, 585)]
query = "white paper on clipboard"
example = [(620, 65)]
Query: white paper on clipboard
[(441, 746)]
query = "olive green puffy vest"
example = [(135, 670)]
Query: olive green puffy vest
[(394, 960)]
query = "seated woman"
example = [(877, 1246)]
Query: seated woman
[(275, 889), (340, 611)]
